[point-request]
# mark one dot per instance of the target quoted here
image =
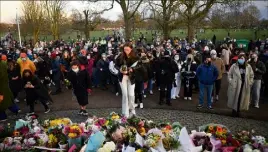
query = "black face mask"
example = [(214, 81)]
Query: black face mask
[(189, 60), (209, 63)]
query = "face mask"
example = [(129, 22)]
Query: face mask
[(104, 58), (23, 59), (213, 56), (241, 61), (88, 57), (75, 70), (48, 53), (17, 52), (176, 58)]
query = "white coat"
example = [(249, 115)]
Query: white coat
[(234, 87)]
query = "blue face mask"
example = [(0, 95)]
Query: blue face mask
[(241, 61)]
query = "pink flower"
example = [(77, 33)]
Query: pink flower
[(18, 148), (124, 119)]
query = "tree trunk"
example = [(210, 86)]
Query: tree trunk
[(190, 32), (86, 30), (166, 32), (127, 28)]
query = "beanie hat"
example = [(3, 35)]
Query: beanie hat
[(4, 57), (53, 55), (23, 55), (213, 52)]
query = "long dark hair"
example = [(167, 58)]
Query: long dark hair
[(27, 71), (132, 54)]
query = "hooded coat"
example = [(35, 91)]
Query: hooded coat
[(234, 87), (4, 88)]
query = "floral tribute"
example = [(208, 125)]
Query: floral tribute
[(116, 133)]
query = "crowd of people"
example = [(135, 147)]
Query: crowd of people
[(133, 68)]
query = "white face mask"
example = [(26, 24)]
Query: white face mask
[(213, 56), (88, 57), (48, 53), (23, 59), (176, 58), (75, 70)]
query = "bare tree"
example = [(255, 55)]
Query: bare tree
[(129, 8), (33, 17), (54, 12), (164, 12)]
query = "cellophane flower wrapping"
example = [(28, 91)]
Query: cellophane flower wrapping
[(151, 140), (95, 141), (107, 147), (75, 141)]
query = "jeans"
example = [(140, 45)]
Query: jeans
[(202, 88), (14, 108), (43, 102), (128, 96), (95, 77), (150, 85), (115, 83), (256, 89)]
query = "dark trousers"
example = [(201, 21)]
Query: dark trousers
[(115, 83), (31, 103), (217, 87), (188, 88), (57, 85), (138, 92), (165, 92), (14, 108), (104, 79)]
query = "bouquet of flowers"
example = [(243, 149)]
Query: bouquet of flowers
[(57, 122), (220, 132), (154, 138), (73, 131), (52, 141), (107, 147)]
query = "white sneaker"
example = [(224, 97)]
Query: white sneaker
[(141, 105), (257, 106), (158, 89), (117, 94), (177, 96), (212, 100), (151, 93), (189, 98), (185, 98), (173, 98), (16, 100), (217, 98), (136, 105), (144, 96), (133, 112)]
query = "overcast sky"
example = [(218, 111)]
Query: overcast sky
[(8, 9)]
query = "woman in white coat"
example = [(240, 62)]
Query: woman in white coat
[(240, 79), (175, 92)]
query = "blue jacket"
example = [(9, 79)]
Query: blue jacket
[(207, 74)]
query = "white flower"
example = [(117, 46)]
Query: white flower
[(256, 150), (103, 149), (247, 149), (110, 146)]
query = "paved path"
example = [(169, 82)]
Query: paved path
[(107, 99), (192, 120)]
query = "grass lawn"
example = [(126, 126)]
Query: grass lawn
[(181, 33)]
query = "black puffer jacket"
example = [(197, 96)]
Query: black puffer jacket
[(258, 68)]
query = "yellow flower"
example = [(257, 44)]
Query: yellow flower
[(72, 135), (107, 122), (139, 150), (223, 142), (142, 131), (115, 117), (210, 128)]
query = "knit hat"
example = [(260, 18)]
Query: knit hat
[(166, 54), (213, 52), (4, 57), (23, 55), (53, 55)]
